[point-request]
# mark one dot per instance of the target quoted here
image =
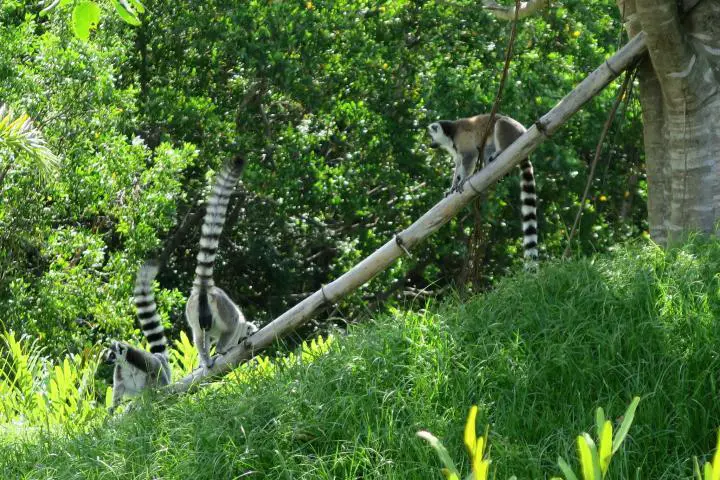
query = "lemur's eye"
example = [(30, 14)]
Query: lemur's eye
[(434, 128)]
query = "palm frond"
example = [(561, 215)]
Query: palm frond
[(18, 135)]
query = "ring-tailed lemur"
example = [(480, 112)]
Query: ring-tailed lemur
[(212, 315), (136, 369), (461, 138)]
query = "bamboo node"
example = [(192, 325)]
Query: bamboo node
[(477, 192), (325, 297), (542, 128), (401, 244), (612, 70)]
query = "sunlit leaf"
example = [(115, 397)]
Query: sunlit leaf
[(469, 437), (586, 461), (605, 446), (625, 426), (696, 469), (448, 474), (597, 472), (599, 420), (108, 397), (85, 17), (567, 471), (137, 5), (125, 11), (716, 459), (441, 451)]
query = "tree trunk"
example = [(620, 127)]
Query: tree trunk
[(681, 113)]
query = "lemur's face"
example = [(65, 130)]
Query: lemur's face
[(116, 352), (441, 134)]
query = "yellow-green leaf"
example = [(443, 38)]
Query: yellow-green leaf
[(479, 448), (441, 451), (448, 474), (137, 4), (696, 469), (567, 471), (605, 446), (625, 425), (85, 17), (597, 473), (470, 439), (586, 462), (716, 459), (126, 13), (599, 420), (480, 469), (108, 397)]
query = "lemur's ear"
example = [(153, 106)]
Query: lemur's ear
[(449, 128)]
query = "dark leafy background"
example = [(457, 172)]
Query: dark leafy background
[(329, 101)]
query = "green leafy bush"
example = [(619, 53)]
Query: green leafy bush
[(38, 393), (329, 102)]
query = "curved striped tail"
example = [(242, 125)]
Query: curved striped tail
[(528, 199), (213, 223), (147, 308)]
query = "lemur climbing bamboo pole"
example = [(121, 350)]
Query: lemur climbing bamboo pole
[(426, 225)]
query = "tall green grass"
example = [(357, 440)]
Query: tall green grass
[(537, 355)]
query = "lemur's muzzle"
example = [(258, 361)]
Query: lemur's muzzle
[(110, 356)]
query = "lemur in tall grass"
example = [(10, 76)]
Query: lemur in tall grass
[(212, 315), (136, 369), (461, 138)]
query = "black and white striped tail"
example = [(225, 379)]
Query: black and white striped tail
[(528, 199), (147, 308), (213, 223)]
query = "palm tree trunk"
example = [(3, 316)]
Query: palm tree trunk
[(681, 113)]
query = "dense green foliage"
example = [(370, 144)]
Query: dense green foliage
[(328, 100), (537, 355), (64, 397)]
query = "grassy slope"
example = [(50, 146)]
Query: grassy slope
[(538, 354)]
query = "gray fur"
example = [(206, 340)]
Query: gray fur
[(462, 139), (228, 327), (135, 370), (211, 314)]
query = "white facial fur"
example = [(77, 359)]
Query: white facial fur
[(439, 139)]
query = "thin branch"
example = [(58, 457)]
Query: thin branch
[(503, 78), (523, 9), (426, 225), (598, 149), (477, 237)]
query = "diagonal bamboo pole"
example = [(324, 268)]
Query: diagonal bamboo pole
[(435, 218)]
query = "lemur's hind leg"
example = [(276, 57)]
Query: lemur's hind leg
[(227, 341), (201, 339)]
